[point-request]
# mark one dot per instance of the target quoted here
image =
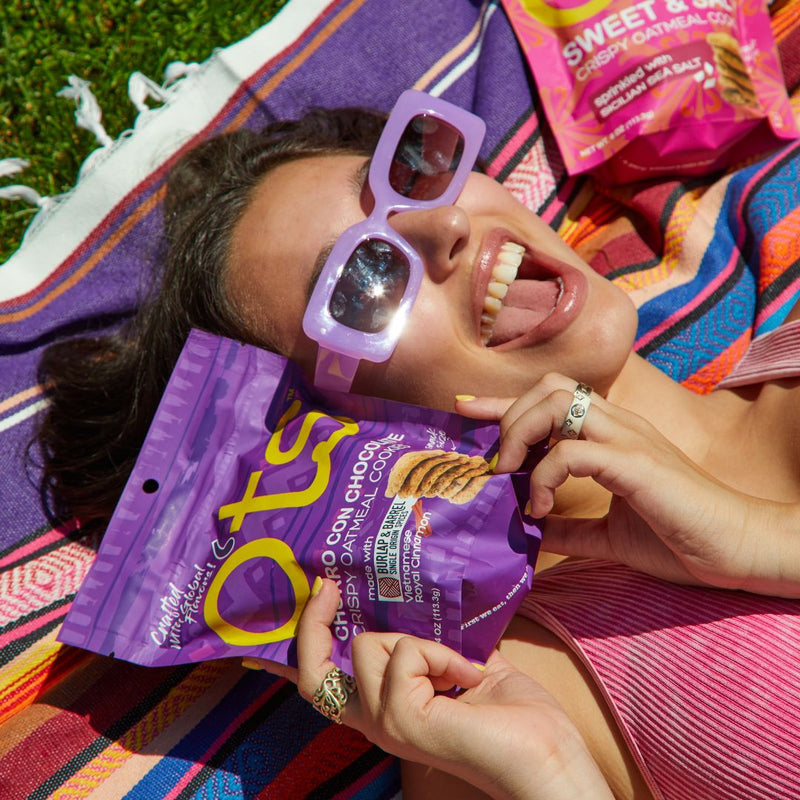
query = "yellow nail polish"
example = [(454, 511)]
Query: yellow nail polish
[(316, 587), (527, 511), (465, 397), (251, 663)]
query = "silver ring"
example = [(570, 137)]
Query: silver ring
[(333, 694), (573, 422)]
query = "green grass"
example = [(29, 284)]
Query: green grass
[(42, 42)]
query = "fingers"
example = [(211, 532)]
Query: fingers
[(401, 701), (583, 538), (397, 672), (536, 416), (489, 408), (414, 658), (571, 458), (314, 639)]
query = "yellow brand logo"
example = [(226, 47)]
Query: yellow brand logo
[(555, 17), (282, 554), (277, 550), (320, 455)]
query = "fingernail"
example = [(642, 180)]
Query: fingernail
[(481, 667), (251, 663), (465, 398), (316, 587), (527, 510)]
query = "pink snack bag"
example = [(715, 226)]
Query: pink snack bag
[(637, 89), (250, 484)]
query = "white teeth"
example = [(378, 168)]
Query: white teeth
[(492, 305), (504, 273), (511, 257), (498, 289)]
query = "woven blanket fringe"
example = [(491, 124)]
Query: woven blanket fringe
[(141, 88), (18, 191), (89, 115)]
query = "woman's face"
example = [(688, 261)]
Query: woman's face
[(463, 336)]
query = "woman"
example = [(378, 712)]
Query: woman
[(692, 478)]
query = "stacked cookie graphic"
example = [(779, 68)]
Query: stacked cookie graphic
[(437, 473), (735, 84)]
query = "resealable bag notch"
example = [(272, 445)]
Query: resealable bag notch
[(250, 484), (640, 89)]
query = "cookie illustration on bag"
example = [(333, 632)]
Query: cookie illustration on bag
[(736, 86), (456, 477)]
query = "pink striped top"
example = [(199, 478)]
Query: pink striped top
[(771, 356), (704, 683)]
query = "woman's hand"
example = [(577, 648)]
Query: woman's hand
[(667, 516), (504, 734)]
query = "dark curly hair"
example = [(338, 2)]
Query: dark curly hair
[(105, 390)]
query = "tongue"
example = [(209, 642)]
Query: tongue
[(526, 305)]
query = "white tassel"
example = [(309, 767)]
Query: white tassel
[(176, 70), (16, 191), (11, 166), (142, 88), (87, 113), (19, 192)]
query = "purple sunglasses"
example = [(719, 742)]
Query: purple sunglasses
[(370, 280)]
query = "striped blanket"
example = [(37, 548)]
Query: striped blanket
[(708, 262)]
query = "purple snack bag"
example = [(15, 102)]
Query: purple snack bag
[(250, 484)]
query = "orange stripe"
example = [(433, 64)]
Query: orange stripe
[(709, 375), (295, 62), (18, 729), (21, 397), (112, 240), (448, 58), (785, 20)]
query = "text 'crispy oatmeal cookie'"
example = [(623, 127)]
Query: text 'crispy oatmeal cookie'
[(437, 473), (736, 86)]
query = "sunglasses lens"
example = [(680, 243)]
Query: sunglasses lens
[(370, 287), (426, 158)]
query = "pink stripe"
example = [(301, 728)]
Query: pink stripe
[(697, 301), (786, 296), (53, 535), (222, 738), (549, 214), (42, 541), (513, 145), (34, 624), (766, 167)]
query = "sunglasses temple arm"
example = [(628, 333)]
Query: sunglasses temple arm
[(334, 370)]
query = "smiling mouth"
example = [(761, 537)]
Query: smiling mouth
[(520, 296)]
